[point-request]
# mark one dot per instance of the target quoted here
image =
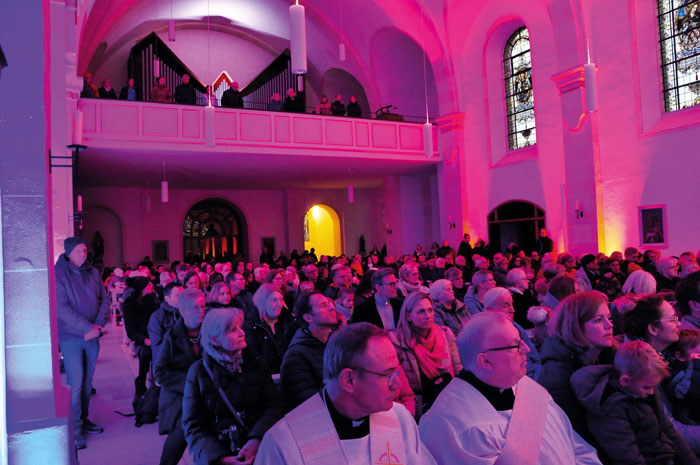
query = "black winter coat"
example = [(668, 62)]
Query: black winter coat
[(632, 431), (204, 412), (175, 357), (160, 322), (260, 339), (559, 362), (137, 314), (302, 368), (232, 99)]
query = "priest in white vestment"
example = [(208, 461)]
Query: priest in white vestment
[(491, 413), (353, 420)]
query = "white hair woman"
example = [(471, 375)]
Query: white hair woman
[(449, 311), (427, 352), (639, 282), (230, 400)]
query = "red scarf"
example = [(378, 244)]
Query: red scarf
[(433, 354)]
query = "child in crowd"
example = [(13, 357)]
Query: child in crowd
[(624, 411), (683, 387)]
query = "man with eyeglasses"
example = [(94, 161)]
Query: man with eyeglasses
[(491, 412), (354, 418), (383, 308)]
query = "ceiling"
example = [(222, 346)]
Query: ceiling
[(220, 170)]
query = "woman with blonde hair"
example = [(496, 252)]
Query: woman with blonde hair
[(219, 296), (427, 352), (581, 334)]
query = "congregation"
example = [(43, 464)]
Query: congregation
[(185, 94), (441, 356)]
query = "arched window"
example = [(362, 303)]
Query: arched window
[(520, 103), (214, 228), (679, 35)]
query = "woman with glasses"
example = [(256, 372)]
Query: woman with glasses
[(427, 352), (581, 334)]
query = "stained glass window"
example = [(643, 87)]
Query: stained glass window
[(679, 35), (520, 103)]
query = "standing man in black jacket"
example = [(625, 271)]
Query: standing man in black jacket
[(184, 93), (232, 98)]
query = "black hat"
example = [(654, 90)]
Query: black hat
[(138, 284)]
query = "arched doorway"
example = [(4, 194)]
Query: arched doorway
[(214, 229), (322, 231), (107, 223), (516, 222)]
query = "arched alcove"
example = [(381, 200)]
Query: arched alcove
[(104, 220), (337, 81), (322, 231), (397, 62), (214, 228), (516, 221)]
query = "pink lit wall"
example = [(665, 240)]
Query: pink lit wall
[(269, 213), (397, 63)]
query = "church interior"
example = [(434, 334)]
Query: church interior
[(494, 118)]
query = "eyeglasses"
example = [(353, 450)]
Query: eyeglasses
[(518, 346), (673, 319), (391, 377), (391, 284)]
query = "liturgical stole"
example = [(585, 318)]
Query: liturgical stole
[(526, 425), (319, 444)]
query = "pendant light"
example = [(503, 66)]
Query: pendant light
[(297, 38)]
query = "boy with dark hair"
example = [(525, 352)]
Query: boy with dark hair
[(624, 411)]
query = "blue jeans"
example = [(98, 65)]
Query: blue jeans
[(79, 360)]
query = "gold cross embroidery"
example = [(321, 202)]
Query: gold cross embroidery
[(390, 458)]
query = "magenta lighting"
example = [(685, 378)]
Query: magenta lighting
[(297, 38), (351, 193), (341, 52)]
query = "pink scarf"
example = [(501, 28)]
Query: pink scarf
[(433, 354)]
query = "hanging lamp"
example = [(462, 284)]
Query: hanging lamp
[(297, 38)]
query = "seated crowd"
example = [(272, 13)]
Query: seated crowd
[(185, 94), (434, 357)]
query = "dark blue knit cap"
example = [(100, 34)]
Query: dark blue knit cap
[(71, 242)]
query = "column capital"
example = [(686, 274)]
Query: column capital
[(450, 122), (570, 80)]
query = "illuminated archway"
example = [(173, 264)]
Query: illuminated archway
[(322, 231), (517, 221)]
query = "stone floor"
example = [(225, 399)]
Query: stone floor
[(122, 443)]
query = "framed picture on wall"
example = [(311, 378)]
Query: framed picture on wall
[(161, 251), (653, 226)]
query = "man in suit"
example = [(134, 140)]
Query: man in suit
[(383, 308)]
